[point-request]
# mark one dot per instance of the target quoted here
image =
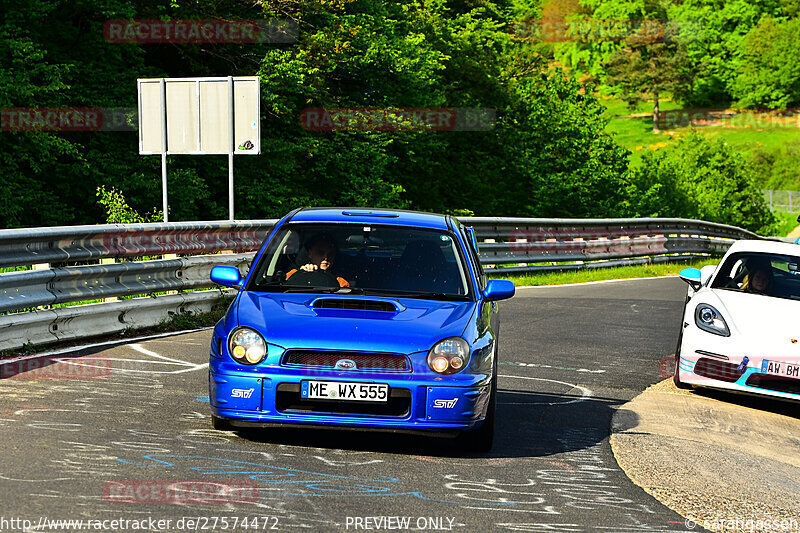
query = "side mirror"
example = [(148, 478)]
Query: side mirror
[(692, 276), (227, 276), (498, 289)]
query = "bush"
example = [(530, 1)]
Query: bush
[(777, 168), (702, 179)]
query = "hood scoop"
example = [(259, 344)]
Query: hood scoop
[(355, 304)]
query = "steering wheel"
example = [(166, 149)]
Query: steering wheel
[(315, 278)]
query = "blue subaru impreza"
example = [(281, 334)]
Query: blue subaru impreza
[(367, 319)]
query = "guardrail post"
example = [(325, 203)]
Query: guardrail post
[(109, 261), (170, 256)]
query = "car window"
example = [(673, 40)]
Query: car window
[(371, 259), (774, 275)]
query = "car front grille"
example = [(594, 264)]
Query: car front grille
[(288, 400), (711, 368), (363, 360), (774, 383)]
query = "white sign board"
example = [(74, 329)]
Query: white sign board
[(199, 116)]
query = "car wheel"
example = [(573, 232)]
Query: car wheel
[(676, 378), (481, 440), (220, 423)]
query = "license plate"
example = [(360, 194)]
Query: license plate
[(780, 368), (341, 390)]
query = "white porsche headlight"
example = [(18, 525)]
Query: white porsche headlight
[(247, 346), (709, 319)]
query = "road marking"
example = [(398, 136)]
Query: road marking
[(141, 349), (585, 393), (539, 365)]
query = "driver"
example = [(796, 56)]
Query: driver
[(759, 281), (322, 252)]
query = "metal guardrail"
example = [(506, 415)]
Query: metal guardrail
[(513, 244), (506, 245)]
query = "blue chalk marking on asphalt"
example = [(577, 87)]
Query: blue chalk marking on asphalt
[(204, 399), (331, 485)]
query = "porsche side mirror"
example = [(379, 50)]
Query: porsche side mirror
[(692, 276)]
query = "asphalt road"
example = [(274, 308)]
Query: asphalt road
[(81, 435)]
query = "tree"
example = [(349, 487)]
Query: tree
[(650, 64), (768, 67)]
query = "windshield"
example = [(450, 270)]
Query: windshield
[(774, 275), (363, 259)]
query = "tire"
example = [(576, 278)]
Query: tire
[(220, 424), (481, 440), (676, 378)]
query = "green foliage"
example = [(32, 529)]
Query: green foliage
[(720, 30), (714, 34), (701, 179), (785, 223), (777, 168), (769, 66), (548, 153), (119, 212)]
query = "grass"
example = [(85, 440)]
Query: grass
[(599, 274), (744, 131), (787, 222)]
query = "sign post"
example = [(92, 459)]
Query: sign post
[(199, 116)]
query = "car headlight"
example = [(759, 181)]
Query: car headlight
[(247, 346), (448, 356), (709, 319)]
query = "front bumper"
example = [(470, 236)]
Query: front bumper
[(247, 397), (717, 363)]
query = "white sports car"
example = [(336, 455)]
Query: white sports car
[(741, 324)]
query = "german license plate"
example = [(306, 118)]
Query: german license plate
[(780, 368), (342, 390)]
